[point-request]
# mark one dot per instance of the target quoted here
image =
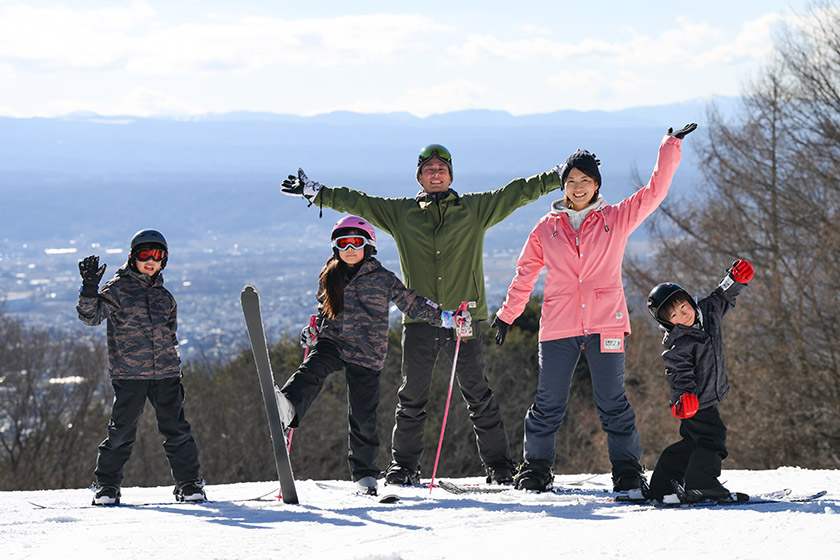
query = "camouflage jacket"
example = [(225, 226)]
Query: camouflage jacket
[(361, 329), (141, 316)]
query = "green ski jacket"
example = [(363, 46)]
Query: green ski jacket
[(441, 243)]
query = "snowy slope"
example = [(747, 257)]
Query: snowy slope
[(331, 522)]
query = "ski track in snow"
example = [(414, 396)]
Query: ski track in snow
[(332, 522)]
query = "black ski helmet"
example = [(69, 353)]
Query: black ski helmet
[(661, 296), (149, 237)]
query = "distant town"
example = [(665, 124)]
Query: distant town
[(40, 285)]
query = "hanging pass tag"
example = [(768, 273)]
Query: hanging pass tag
[(612, 343), (465, 329)]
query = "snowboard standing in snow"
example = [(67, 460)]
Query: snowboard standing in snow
[(253, 321)]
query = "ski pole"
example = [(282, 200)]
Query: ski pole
[(462, 307), (312, 323)]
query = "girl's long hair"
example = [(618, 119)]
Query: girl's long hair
[(331, 285), (333, 276)]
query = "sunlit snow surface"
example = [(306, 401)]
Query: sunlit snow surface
[(332, 522)]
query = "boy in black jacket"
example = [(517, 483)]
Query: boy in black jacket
[(696, 372)]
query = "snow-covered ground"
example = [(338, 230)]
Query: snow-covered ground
[(331, 522)]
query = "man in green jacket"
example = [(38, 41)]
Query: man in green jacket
[(440, 240)]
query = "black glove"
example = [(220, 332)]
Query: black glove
[(91, 275), (501, 330), (301, 186), (681, 133)]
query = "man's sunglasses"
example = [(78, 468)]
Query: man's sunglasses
[(156, 255), (347, 241), (433, 150)]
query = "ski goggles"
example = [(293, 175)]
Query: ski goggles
[(349, 241), (433, 150), (156, 255)]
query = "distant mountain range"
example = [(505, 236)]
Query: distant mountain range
[(109, 176), (83, 184)]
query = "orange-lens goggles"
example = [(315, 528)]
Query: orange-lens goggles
[(156, 255), (347, 241)]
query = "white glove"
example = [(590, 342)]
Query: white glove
[(455, 319), (301, 186), (308, 336)]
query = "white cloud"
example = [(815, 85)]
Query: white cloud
[(428, 100), (8, 111), (141, 102), (135, 38), (479, 48), (754, 41), (531, 29), (57, 37), (690, 44), (590, 80), (590, 89), (56, 58)]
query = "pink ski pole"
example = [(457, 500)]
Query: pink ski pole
[(462, 307), (312, 323)]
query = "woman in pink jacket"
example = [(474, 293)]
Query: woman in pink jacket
[(581, 245)]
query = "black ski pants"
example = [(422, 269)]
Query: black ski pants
[(362, 400), (421, 345), (167, 398), (695, 460)]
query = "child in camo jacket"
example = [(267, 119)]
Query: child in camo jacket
[(144, 363), (354, 296)]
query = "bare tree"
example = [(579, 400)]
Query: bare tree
[(771, 195), (52, 406)]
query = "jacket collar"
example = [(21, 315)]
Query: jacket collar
[(127, 271), (424, 199), (577, 217), (558, 207)]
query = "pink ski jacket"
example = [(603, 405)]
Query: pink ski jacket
[(584, 293)]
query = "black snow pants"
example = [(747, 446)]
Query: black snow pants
[(421, 345), (304, 385), (695, 460), (167, 398)]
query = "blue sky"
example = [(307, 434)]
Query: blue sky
[(188, 57)]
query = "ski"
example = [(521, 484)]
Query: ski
[(253, 322), (376, 497), (453, 488), (120, 505), (486, 488), (745, 500), (151, 504), (387, 498), (260, 498), (582, 481)]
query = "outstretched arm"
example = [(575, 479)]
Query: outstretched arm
[(383, 213), (737, 276), (634, 209)]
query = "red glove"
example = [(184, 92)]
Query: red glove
[(687, 406), (742, 271)]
